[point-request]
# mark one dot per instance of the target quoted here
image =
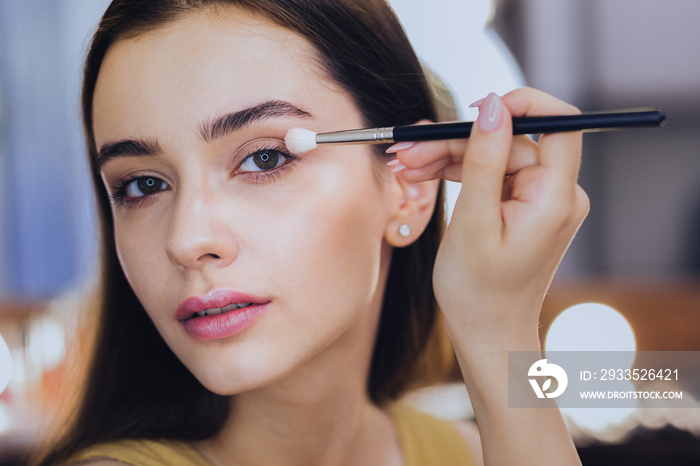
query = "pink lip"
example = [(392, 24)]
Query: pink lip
[(226, 324), (215, 298)]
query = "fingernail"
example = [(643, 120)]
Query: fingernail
[(398, 168), (392, 162), (478, 103), (490, 113), (400, 146)]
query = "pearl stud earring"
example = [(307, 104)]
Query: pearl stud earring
[(405, 230)]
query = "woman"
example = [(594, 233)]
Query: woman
[(261, 307)]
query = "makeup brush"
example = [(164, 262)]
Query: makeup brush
[(299, 140)]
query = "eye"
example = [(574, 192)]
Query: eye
[(137, 189), (264, 160), (144, 186)]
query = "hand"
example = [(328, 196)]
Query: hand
[(518, 210)]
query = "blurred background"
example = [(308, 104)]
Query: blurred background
[(637, 254)]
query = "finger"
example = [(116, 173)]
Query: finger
[(524, 153), (445, 169), (484, 166), (527, 101), (422, 154), (443, 159), (561, 151)]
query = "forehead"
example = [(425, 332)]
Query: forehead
[(205, 63)]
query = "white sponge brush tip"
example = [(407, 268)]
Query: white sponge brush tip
[(300, 140)]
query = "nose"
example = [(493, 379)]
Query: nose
[(199, 235)]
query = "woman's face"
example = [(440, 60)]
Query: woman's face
[(210, 212)]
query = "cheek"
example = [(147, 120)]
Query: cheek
[(323, 233), (313, 239), (140, 241), (312, 242)]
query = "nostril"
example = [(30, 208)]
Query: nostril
[(200, 244), (208, 257)]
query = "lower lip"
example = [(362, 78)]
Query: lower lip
[(224, 325)]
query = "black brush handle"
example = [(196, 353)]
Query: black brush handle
[(599, 121)]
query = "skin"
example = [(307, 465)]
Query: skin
[(317, 241), (490, 288)]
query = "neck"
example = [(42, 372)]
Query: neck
[(307, 418), (319, 414), (284, 432)]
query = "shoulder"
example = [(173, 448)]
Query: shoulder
[(470, 432)]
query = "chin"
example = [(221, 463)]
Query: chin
[(226, 384), (231, 375)]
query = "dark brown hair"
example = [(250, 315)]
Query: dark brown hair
[(135, 386)]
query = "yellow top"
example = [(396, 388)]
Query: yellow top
[(425, 440)]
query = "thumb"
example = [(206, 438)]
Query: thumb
[(484, 165)]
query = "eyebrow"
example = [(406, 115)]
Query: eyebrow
[(209, 131), (127, 147), (234, 121)]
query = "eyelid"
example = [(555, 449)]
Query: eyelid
[(261, 177), (251, 147), (130, 176), (245, 150), (116, 189)]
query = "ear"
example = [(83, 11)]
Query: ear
[(414, 204)]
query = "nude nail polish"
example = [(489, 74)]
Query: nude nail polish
[(490, 113), (398, 168), (477, 103), (400, 146)]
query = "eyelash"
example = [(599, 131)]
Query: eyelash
[(119, 195), (269, 176)]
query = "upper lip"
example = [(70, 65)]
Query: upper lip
[(216, 298)]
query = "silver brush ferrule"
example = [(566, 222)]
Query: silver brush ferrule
[(358, 136)]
